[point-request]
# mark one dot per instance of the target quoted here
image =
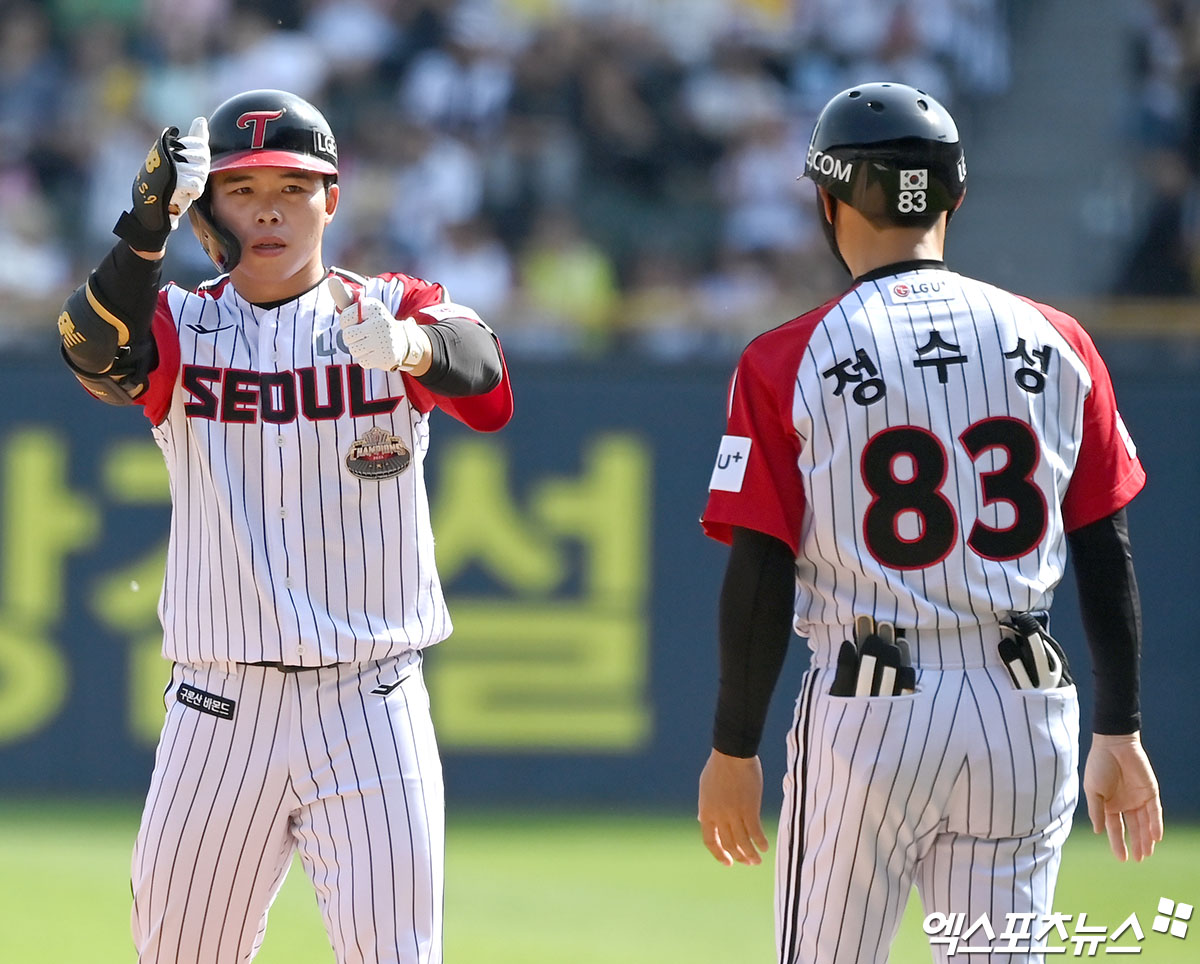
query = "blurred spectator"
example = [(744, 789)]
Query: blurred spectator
[(259, 54), (436, 181), (738, 297), (354, 36), (733, 90), (473, 266), (1165, 258), (568, 289), (1164, 129), (30, 81), (767, 206), (80, 16), (594, 170), (180, 83), (1159, 40), (127, 138), (187, 29), (32, 263), (977, 47), (658, 319), (462, 88)]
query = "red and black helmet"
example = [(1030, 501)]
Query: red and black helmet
[(260, 128)]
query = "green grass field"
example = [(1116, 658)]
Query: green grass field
[(528, 889)]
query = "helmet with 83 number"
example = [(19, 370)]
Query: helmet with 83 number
[(891, 152), (260, 128)]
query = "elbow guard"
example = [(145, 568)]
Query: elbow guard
[(466, 355), (91, 334), (98, 348)]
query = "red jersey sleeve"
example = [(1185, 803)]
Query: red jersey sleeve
[(756, 482), (156, 399), (483, 413), (1108, 473)]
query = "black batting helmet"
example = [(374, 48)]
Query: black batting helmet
[(260, 128), (890, 151)]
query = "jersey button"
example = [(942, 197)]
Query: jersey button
[(280, 441), (282, 512)]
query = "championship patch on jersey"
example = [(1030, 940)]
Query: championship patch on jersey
[(205, 702), (377, 456), (730, 470), (905, 292)]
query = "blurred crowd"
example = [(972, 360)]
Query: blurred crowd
[(592, 175), (1164, 258)]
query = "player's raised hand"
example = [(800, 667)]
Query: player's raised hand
[(1122, 795), (375, 337), (730, 807), (192, 160), (159, 196)]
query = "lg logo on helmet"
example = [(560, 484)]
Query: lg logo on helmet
[(324, 144), (829, 166), (258, 119)]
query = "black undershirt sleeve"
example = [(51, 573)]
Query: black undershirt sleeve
[(125, 285), (1112, 619), (129, 283), (465, 359), (754, 626)]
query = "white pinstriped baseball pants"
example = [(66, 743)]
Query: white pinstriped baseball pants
[(312, 761), (965, 788)]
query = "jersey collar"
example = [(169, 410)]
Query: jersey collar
[(899, 267), (272, 305)]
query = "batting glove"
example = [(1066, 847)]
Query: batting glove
[(374, 336), (191, 170)]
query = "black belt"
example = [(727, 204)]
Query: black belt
[(285, 668)]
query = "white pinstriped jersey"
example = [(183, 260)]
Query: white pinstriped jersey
[(922, 443), (300, 528)]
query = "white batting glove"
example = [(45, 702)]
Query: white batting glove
[(191, 173), (374, 336)]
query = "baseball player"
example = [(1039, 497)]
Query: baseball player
[(291, 402), (902, 473)]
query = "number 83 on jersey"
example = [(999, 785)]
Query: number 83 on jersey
[(911, 524)]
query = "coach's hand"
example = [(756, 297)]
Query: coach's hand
[(1122, 794), (730, 804)]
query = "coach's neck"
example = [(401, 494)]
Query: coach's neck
[(865, 247)]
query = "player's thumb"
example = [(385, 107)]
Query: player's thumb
[(199, 128), (342, 297)]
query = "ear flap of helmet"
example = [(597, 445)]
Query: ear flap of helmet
[(220, 245)]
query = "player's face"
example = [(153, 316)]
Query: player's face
[(279, 215)]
